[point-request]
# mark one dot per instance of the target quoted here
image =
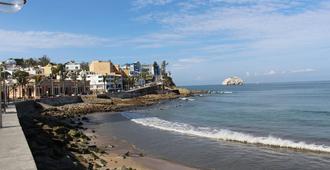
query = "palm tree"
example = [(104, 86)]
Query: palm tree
[(84, 79), (22, 78), (44, 60), (52, 77), (37, 80), (104, 80), (131, 81), (74, 76), (14, 90), (60, 70), (115, 81)]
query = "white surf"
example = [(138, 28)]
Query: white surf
[(223, 134)]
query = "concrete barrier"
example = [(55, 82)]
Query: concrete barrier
[(27, 107), (138, 92), (59, 101), (15, 153)]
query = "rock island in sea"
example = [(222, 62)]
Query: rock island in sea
[(234, 80)]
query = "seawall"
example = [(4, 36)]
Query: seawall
[(15, 153), (35, 106)]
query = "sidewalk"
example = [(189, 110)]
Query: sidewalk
[(15, 153)]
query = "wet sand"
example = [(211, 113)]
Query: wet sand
[(121, 153)]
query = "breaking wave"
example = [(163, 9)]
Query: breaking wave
[(223, 134)]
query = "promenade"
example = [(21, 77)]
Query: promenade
[(15, 153)]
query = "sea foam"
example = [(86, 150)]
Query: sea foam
[(223, 134)]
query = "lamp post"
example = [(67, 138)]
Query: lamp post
[(9, 6)]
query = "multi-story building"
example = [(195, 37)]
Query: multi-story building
[(72, 66), (103, 67), (48, 69), (105, 83), (10, 65), (34, 70), (149, 68), (48, 87), (132, 69)]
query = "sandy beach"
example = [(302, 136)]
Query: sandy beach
[(59, 138), (122, 153)]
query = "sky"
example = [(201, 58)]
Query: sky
[(204, 41)]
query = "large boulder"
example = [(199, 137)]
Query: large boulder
[(233, 81)]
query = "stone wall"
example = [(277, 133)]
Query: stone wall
[(34, 106), (59, 101), (27, 107), (133, 93)]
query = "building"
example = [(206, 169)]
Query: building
[(126, 70), (132, 69), (149, 68), (34, 70), (105, 83), (48, 87), (103, 67), (48, 69), (72, 66), (10, 65)]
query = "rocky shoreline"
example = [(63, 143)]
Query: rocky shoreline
[(58, 139)]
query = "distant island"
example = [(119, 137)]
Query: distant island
[(234, 80)]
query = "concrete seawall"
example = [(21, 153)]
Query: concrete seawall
[(35, 106), (59, 101), (138, 92), (15, 153)]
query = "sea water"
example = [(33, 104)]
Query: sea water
[(255, 126)]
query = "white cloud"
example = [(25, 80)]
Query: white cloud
[(270, 72), (306, 70), (144, 3), (185, 63), (27, 40), (257, 27)]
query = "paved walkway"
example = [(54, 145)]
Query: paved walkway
[(15, 153)]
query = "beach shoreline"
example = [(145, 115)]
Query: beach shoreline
[(123, 153), (58, 137)]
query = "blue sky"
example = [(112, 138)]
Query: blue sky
[(204, 41)]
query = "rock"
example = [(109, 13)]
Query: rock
[(233, 81), (85, 119), (46, 127), (110, 146), (90, 166), (72, 121)]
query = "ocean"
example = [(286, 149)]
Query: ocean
[(254, 126)]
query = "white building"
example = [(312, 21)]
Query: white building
[(113, 82), (148, 68), (72, 66), (10, 65), (34, 70)]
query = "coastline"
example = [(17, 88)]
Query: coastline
[(123, 153), (58, 138)]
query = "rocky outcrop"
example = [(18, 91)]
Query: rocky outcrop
[(232, 81)]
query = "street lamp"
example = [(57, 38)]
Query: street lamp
[(11, 6)]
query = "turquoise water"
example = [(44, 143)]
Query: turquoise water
[(255, 126)]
